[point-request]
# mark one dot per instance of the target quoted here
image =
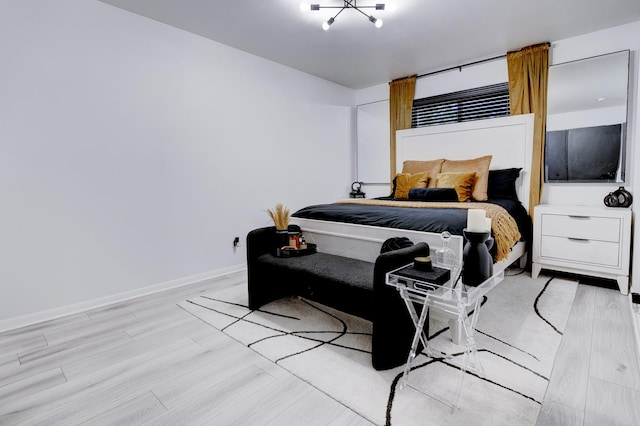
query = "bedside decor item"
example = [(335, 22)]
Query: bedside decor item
[(280, 216), (294, 240), (478, 263), (618, 198), (477, 220), (356, 190), (423, 264), (289, 251), (445, 256)]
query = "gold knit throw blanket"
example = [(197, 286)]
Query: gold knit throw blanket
[(504, 227)]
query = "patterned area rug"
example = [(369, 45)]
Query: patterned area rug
[(518, 333)]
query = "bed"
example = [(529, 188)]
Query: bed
[(357, 228)]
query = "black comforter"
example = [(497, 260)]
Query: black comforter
[(429, 220)]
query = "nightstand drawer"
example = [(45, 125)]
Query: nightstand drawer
[(593, 252), (584, 240), (582, 227)]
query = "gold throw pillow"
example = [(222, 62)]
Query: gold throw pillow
[(461, 182), (478, 165), (406, 181)]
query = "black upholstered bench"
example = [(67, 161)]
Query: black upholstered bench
[(340, 282), (350, 285)]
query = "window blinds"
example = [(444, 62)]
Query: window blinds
[(473, 104)]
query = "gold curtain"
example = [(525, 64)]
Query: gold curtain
[(528, 76), (401, 93)]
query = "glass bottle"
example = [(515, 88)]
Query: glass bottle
[(445, 256)]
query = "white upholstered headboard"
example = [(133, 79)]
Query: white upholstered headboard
[(508, 139)]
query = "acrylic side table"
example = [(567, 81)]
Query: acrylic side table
[(452, 298)]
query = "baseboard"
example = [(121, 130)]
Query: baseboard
[(50, 314), (634, 310)]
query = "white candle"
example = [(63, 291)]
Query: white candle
[(488, 227), (476, 220)]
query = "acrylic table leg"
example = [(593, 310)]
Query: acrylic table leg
[(419, 335)]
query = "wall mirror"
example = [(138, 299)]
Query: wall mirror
[(587, 120), (372, 142)]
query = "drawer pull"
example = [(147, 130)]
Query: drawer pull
[(580, 217), (581, 240)]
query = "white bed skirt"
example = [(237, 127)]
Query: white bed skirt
[(364, 241)]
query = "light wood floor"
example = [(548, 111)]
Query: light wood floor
[(147, 360), (595, 378)]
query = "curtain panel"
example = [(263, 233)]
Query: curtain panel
[(401, 93), (528, 77)]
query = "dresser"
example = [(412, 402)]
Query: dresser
[(593, 241)]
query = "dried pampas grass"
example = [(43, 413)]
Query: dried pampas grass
[(280, 216)]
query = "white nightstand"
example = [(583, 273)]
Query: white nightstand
[(583, 240)]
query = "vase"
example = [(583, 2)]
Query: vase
[(478, 262), (281, 239), (624, 197)]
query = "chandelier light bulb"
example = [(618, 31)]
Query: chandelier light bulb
[(377, 22), (327, 24), (305, 6)]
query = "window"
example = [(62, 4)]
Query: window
[(473, 104)]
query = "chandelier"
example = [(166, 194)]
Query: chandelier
[(348, 4)]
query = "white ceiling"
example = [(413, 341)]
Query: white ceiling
[(419, 36)]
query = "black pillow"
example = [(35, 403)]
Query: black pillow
[(433, 194), (502, 184), (395, 243)]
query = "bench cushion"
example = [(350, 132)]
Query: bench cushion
[(339, 269), (339, 282)]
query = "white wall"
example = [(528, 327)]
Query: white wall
[(132, 153), (592, 44)]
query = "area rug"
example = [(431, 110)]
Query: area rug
[(518, 332)]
